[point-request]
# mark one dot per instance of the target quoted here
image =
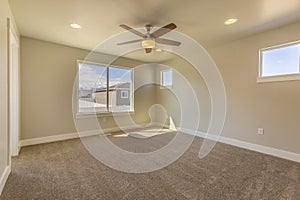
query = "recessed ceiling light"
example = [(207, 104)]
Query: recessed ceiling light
[(230, 21), (158, 50), (77, 26)]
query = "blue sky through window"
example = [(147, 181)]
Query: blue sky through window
[(91, 76), (167, 78), (118, 76), (94, 76), (281, 61)]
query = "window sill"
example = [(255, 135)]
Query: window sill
[(166, 87), (279, 78), (102, 114)]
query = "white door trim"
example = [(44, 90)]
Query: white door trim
[(4, 177), (14, 97)]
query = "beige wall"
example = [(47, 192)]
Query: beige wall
[(272, 106), (48, 74), (4, 135), (184, 76)]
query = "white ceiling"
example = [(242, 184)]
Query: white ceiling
[(200, 19)]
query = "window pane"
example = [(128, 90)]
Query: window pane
[(120, 89), (92, 88), (281, 61), (167, 78)]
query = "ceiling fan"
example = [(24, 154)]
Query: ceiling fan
[(150, 39)]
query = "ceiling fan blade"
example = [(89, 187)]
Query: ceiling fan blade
[(167, 42), (129, 42), (163, 30), (133, 31), (148, 50)]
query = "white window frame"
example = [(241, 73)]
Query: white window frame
[(162, 79), (275, 78), (107, 112)]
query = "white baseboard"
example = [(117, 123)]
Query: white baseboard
[(242, 144), (68, 136), (246, 145), (4, 178), (48, 139), (159, 124)]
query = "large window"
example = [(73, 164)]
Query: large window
[(280, 63), (104, 88)]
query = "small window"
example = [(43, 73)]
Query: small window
[(280, 63), (124, 94), (166, 78)]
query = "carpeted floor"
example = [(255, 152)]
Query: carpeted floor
[(65, 170)]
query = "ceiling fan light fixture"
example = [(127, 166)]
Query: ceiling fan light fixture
[(148, 43)]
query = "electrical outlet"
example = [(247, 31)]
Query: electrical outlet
[(260, 131)]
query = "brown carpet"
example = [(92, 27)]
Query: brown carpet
[(65, 170)]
